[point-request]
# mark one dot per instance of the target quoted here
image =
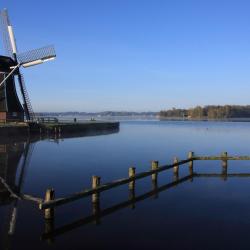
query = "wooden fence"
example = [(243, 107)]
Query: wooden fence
[(50, 202)]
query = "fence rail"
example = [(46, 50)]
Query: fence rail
[(100, 188)]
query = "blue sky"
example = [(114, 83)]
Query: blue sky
[(136, 54)]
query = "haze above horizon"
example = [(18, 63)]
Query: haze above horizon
[(135, 55)]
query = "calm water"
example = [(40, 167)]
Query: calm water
[(203, 213)]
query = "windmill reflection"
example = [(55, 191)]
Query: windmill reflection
[(15, 156), (14, 159)]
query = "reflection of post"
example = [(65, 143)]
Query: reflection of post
[(49, 228), (96, 211), (224, 166), (176, 169), (131, 174), (49, 212), (154, 188)]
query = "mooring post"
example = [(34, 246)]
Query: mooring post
[(49, 196), (131, 185), (176, 167), (96, 181), (191, 163), (154, 166), (131, 174), (224, 161), (224, 165)]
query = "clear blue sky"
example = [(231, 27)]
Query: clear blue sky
[(135, 54)]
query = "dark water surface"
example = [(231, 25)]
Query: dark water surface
[(198, 213)]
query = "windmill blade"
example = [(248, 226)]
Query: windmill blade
[(29, 113), (37, 56), (5, 29)]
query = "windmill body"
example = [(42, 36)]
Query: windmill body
[(11, 108), (10, 105)]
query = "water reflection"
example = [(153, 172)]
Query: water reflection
[(187, 216), (98, 213), (14, 159), (15, 156)]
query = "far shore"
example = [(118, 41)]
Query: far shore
[(247, 119)]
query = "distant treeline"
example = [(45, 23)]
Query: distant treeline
[(209, 112)]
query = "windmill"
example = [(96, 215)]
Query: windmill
[(11, 108)]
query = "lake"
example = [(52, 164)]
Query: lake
[(198, 213)]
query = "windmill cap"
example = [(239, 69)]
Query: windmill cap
[(6, 64)]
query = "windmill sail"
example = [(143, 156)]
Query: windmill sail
[(4, 23), (27, 104), (36, 55)]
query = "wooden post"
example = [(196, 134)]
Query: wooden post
[(191, 163), (224, 162), (131, 173), (176, 168), (131, 185), (224, 166), (154, 166), (96, 180), (49, 212)]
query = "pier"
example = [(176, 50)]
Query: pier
[(56, 128)]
